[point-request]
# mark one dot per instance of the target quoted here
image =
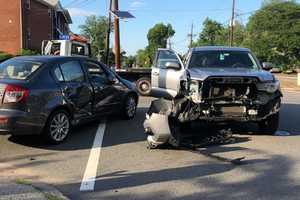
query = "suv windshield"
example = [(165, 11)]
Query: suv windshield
[(18, 69), (222, 59)]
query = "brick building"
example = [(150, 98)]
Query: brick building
[(25, 23)]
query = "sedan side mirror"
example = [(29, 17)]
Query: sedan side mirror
[(173, 65), (112, 79)]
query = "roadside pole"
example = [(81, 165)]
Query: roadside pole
[(232, 23), (108, 34), (117, 36), (298, 82)]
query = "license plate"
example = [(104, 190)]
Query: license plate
[(234, 110)]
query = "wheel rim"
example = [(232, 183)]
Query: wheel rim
[(144, 86), (59, 127), (131, 107)]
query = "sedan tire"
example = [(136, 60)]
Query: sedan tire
[(129, 107), (58, 127)]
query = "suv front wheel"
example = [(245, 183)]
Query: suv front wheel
[(270, 125)]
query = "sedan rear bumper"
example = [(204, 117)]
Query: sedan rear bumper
[(15, 122)]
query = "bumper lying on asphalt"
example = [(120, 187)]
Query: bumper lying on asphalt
[(15, 122)]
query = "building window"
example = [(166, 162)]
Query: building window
[(28, 34), (27, 4)]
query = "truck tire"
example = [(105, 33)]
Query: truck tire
[(270, 125), (144, 86)]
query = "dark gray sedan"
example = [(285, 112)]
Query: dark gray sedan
[(48, 95)]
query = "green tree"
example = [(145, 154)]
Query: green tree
[(94, 28), (157, 38), (143, 58), (274, 33), (213, 33)]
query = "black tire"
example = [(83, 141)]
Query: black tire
[(129, 107), (270, 125), (57, 131), (143, 86)]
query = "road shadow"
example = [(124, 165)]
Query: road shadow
[(123, 132), (81, 137), (267, 179)]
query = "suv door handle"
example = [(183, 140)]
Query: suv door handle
[(155, 73)]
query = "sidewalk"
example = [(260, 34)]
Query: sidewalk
[(23, 190), (288, 82)]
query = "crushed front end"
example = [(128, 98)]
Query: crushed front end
[(222, 99)]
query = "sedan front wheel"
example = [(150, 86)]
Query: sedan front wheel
[(129, 107)]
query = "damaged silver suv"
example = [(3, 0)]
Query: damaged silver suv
[(218, 84)]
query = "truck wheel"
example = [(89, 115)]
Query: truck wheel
[(58, 127), (144, 86), (270, 125), (129, 107)]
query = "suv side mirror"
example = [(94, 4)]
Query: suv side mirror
[(173, 65), (267, 66)]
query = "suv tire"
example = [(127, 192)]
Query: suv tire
[(270, 125)]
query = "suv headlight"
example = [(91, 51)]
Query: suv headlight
[(269, 87), (195, 91)]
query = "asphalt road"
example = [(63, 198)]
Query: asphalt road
[(126, 169)]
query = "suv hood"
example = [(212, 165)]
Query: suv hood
[(203, 73)]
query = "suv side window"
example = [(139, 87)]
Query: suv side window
[(95, 71), (164, 57), (72, 71)]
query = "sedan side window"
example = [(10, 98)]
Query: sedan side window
[(72, 71), (96, 72), (58, 74)]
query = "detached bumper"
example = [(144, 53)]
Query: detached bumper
[(15, 122)]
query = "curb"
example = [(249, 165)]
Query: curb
[(48, 191)]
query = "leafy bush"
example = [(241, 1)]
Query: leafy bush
[(27, 52), (4, 56)]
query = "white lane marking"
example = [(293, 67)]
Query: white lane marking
[(88, 181)]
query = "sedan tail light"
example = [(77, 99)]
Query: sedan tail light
[(15, 94)]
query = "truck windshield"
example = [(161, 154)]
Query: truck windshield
[(222, 59), (18, 69)]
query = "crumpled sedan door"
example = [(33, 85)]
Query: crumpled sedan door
[(167, 73)]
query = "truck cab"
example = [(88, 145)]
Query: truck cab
[(70, 47)]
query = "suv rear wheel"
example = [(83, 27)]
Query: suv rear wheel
[(270, 125), (58, 127)]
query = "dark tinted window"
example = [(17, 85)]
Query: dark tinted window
[(77, 49), (96, 73), (18, 69), (72, 71), (222, 59), (58, 74)]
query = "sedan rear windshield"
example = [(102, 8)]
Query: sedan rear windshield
[(18, 69), (223, 59)]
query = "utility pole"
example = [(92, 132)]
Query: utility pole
[(108, 34), (117, 35), (232, 23), (191, 36)]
